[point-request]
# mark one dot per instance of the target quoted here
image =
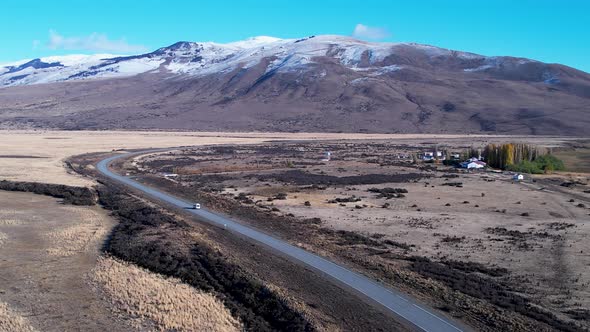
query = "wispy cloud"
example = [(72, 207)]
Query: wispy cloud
[(95, 42), (362, 31)]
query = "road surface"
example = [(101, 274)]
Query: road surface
[(420, 316)]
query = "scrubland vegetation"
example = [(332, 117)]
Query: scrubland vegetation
[(167, 304), (3, 237), (481, 282), (158, 242), (69, 194), (540, 165), (414, 225), (11, 321), (78, 237)]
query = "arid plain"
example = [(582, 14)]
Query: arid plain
[(46, 246)]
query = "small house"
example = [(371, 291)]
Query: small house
[(477, 164), (428, 156)]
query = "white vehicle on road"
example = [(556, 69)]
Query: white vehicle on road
[(197, 206)]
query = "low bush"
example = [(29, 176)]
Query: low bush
[(453, 239), (281, 196), (453, 184), (389, 193), (305, 178), (352, 238), (541, 164), (399, 244), (579, 314), (461, 277), (143, 237), (69, 194), (350, 199), (243, 197)]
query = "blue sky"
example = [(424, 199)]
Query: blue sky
[(550, 31)]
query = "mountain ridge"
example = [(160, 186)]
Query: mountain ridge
[(317, 83), (185, 54)]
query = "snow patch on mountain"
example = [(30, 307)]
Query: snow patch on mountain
[(77, 59), (201, 59), (480, 68)]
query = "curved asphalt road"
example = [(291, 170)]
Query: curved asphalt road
[(421, 317)]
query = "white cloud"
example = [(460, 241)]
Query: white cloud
[(95, 42), (362, 31)]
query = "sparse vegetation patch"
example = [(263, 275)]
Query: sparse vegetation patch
[(166, 303), (305, 178), (10, 321), (154, 240)]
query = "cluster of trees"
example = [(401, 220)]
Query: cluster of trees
[(520, 157), (503, 155)]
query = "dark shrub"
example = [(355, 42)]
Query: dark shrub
[(203, 267), (69, 194)]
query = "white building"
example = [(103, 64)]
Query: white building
[(518, 177), (477, 164), (428, 156)]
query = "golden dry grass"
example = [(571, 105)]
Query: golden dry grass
[(10, 222), (79, 237), (11, 321), (576, 160), (56, 146), (165, 303), (10, 217)]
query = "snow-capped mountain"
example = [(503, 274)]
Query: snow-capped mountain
[(317, 83), (281, 55)]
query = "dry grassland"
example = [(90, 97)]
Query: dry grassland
[(38, 156), (10, 321), (51, 290), (56, 247), (79, 237), (10, 217), (164, 303)]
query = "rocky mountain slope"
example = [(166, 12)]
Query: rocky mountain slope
[(318, 83)]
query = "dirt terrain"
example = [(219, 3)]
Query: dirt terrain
[(53, 278), (39, 155), (48, 250), (426, 250), (161, 239), (504, 248)]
